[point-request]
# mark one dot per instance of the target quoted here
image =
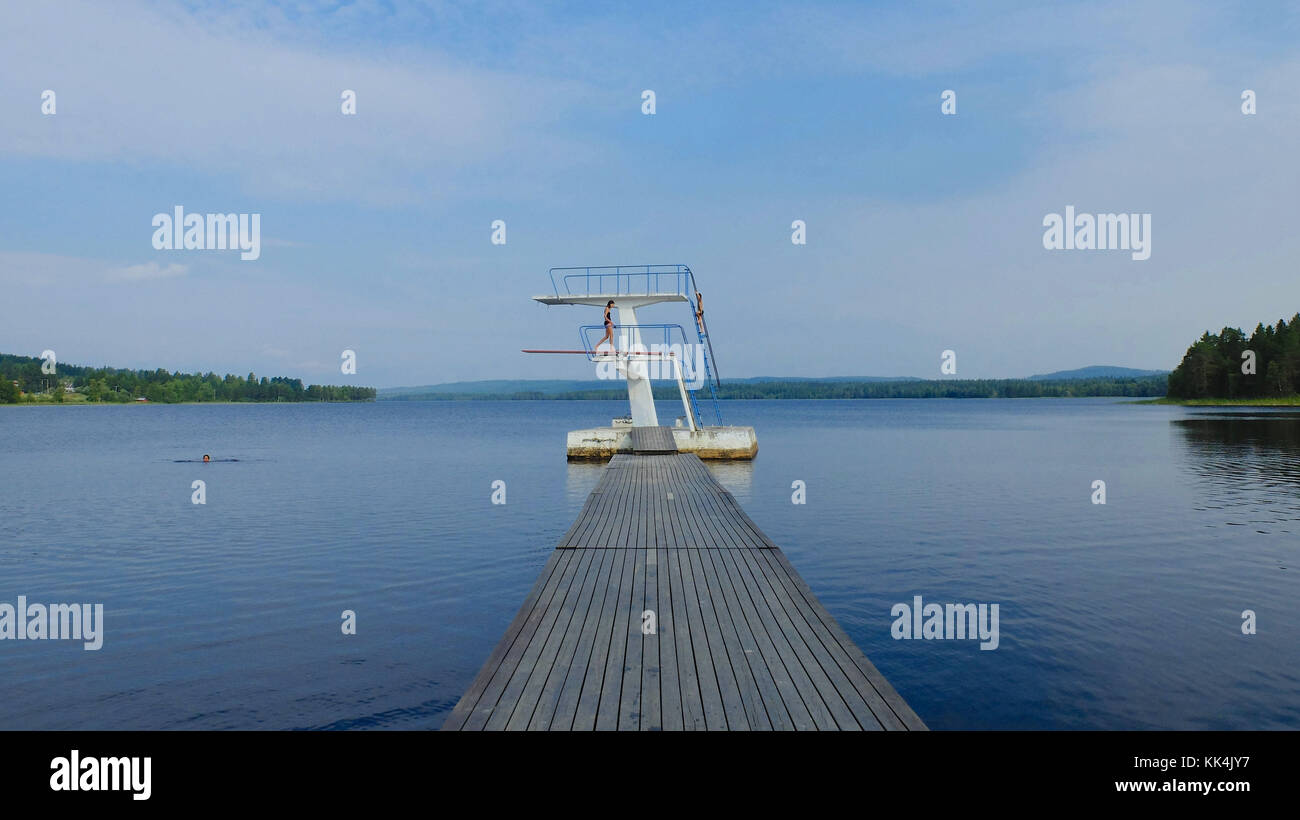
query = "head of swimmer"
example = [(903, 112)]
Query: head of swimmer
[(206, 458)]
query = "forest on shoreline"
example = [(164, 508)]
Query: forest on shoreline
[(23, 380), (1144, 387), (1230, 365)]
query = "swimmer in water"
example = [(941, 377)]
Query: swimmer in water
[(206, 458)]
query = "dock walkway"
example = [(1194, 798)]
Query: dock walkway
[(665, 607)]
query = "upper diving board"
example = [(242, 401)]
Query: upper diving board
[(596, 285)]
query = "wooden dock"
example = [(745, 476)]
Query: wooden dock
[(653, 440), (665, 607)]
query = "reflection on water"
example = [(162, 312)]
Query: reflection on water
[(1248, 465), (226, 616), (736, 476), (582, 476), (580, 479)]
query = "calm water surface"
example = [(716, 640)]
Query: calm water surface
[(227, 615)]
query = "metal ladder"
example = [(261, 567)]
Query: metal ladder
[(702, 333)]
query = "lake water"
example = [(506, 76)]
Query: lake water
[(227, 615)]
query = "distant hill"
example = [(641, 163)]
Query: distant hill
[(804, 388), (547, 387), (865, 379), (1098, 372), (496, 386)]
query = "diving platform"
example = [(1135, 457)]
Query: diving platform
[(665, 607), (715, 443), (636, 354)]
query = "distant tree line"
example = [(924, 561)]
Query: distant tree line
[(1216, 365), (1146, 386), (104, 384)]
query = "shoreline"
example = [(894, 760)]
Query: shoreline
[(1288, 401), (161, 403), (1285, 401)]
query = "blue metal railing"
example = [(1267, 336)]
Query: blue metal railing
[(654, 338), (623, 280), (647, 280), (702, 332), (658, 338)]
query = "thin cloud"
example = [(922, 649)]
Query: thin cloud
[(147, 271), (241, 104)]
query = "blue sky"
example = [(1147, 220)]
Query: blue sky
[(924, 230)]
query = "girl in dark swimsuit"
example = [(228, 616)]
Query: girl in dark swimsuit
[(609, 329)]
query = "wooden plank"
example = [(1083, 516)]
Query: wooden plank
[(733, 702), (623, 536), (525, 684), (849, 680), (585, 514), (759, 537), (849, 711), (780, 668), (651, 440), (720, 527), (635, 537), (670, 688), (692, 697), (651, 699), (741, 640), (659, 507), (631, 504), (750, 654), (602, 533), (674, 530), (792, 651), (715, 714), (601, 516), (571, 660), (736, 658), (906, 715), (588, 701), (518, 656), (474, 707), (693, 534), (593, 509), (645, 520), (566, 701), (629, 714), (723, 529), (607, 712)]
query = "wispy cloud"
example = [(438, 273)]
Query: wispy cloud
[(924, 231), (236, 101), (148, 270)]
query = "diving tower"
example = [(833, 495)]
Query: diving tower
[(645, 352), (665, 607)]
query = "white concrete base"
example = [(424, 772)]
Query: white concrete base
[(711, 442)]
